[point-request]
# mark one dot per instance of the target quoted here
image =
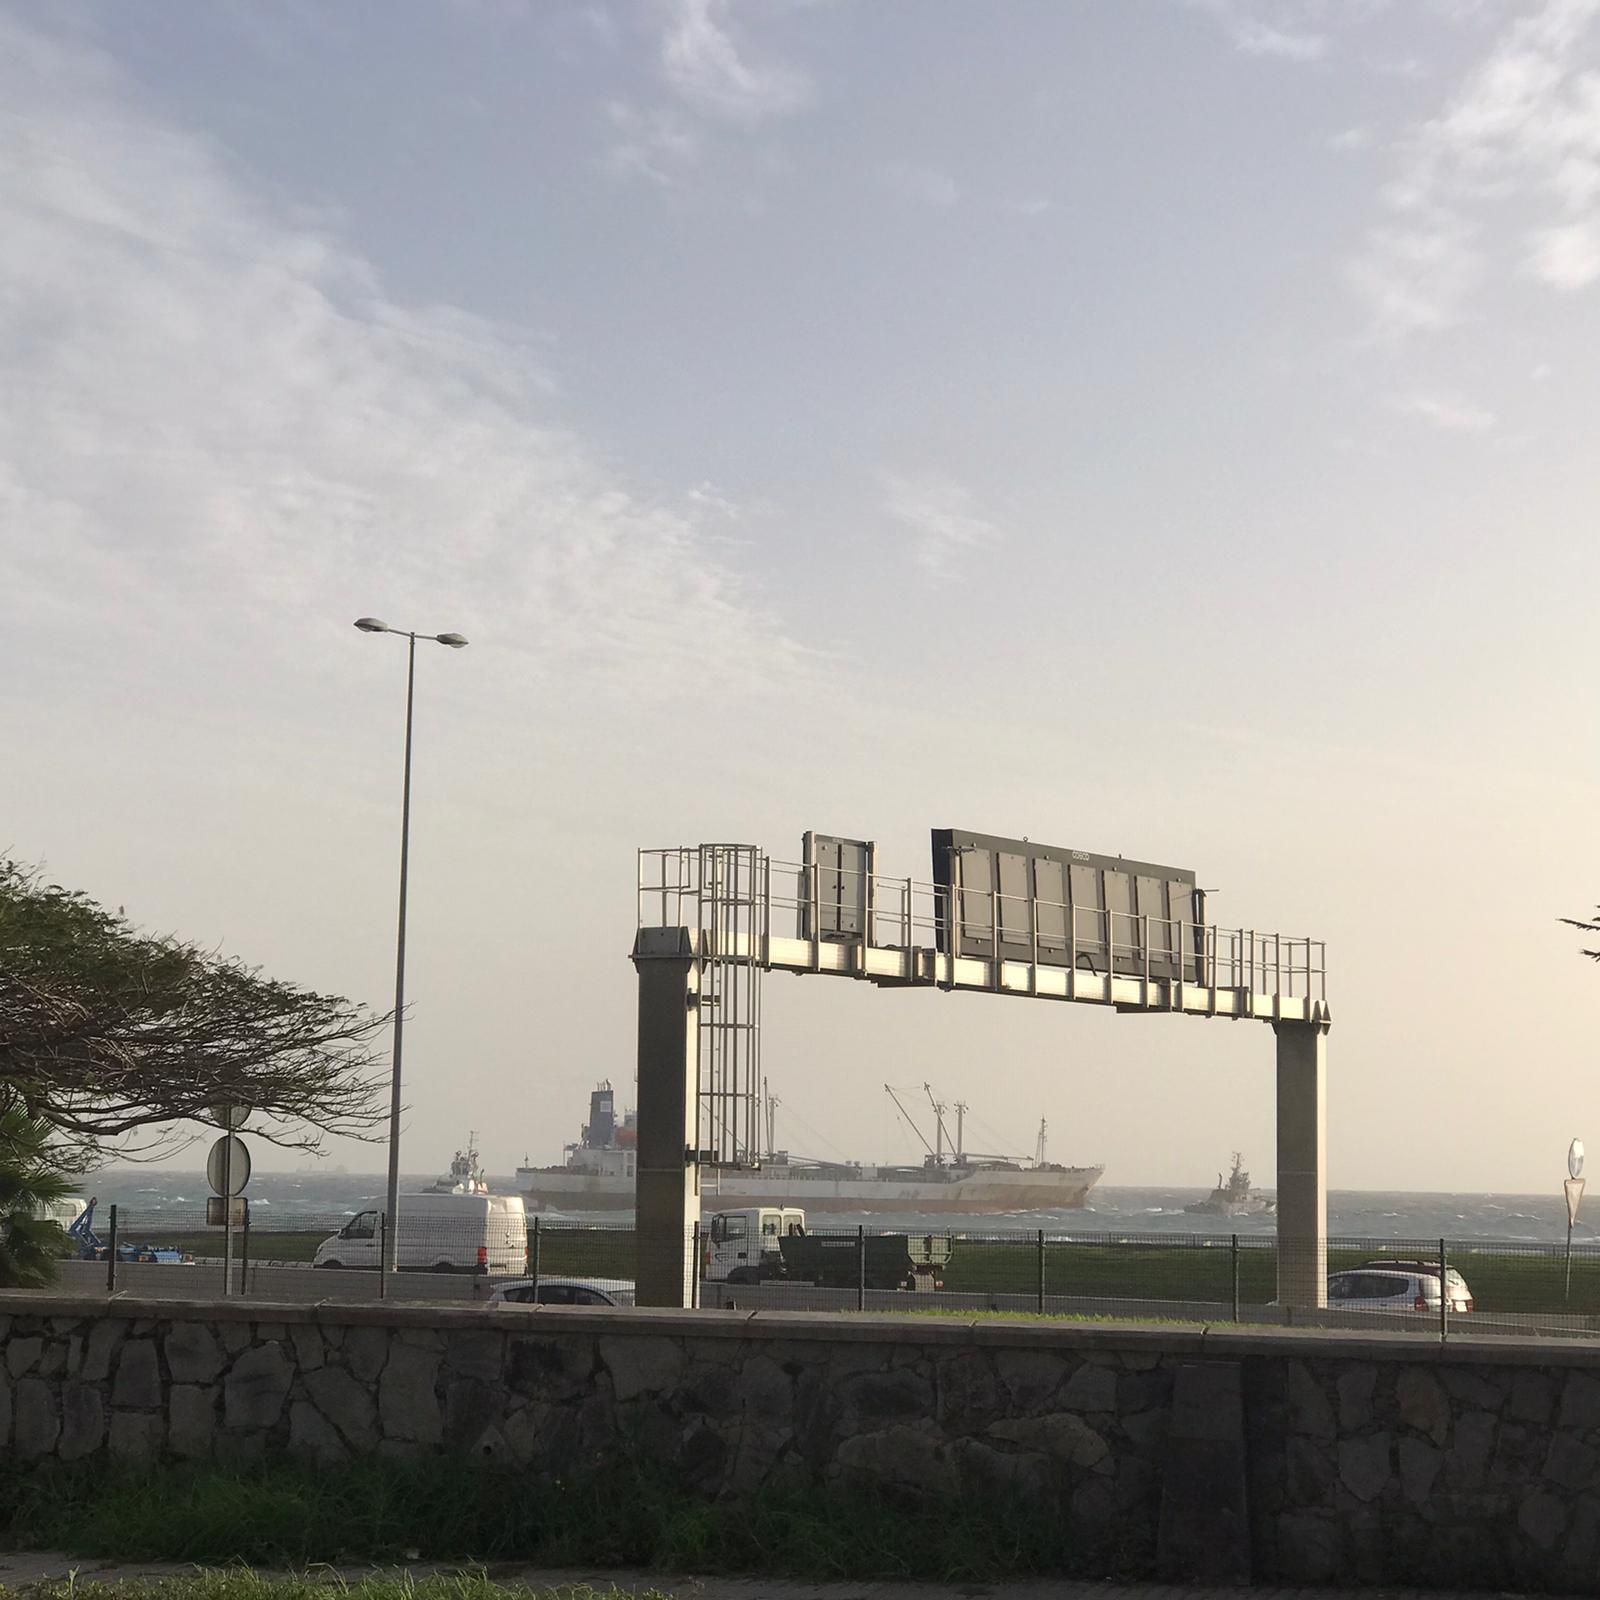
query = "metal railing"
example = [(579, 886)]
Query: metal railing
[(741, 901), (1490, 1288)]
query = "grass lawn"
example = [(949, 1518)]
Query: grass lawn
[(240, 1583), (624, 1513)]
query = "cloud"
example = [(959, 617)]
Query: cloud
[(1351, 139), (1253, 37), (1522, 132), (921, 185), (213, 411), (1448, 415), (1257, 39), (704, 65), (1566, 257), (939, 514), (656, 144)]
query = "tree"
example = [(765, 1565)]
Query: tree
[(1591, 926), (106, 1031), (31, 1181)]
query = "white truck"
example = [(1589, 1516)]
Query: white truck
[(485, 1233), (770, 1244)]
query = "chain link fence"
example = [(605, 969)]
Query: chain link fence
[(1430, 1287)]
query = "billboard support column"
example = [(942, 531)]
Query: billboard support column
[(1302, 1164), (667, 1172)]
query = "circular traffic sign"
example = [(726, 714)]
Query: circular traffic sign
[(1575, 1159), (229, 1115), (228, 1166)]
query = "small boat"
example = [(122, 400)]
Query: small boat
[(466, 1174), (1233, 1196)]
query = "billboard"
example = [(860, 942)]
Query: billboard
[(1024, 901), (841, 870)]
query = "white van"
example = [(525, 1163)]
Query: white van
[(439, 1233)]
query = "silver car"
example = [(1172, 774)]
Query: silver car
[(563, 1292), (1396, 1286)]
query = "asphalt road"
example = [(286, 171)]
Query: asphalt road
[(297, 1283)]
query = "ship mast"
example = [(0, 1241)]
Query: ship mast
[(772, 1104), (961, 1143), (938, 1124)]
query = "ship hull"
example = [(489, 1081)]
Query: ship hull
[(980, 1193)]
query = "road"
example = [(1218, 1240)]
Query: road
[(295, 1283)]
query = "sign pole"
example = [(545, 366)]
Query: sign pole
[(1574, 1192), (227, 1210)]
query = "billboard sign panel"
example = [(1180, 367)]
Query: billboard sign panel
[(835, 878), (1018, 900)]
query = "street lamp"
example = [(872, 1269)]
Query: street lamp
[(392, 1209)]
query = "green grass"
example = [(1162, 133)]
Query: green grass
[(626, 1515), (240, 1583)]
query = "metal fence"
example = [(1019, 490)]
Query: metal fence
[(1431, 1287)]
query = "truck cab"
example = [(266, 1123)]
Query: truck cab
[(745, 1246)]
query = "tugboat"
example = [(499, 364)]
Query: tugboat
[(465, 1175), (1234, 1197)]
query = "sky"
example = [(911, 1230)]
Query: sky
[(1161, 429)]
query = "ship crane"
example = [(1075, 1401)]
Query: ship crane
[(906, 1117)]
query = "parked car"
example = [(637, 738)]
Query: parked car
[(563, 1292), (1394, 1285)]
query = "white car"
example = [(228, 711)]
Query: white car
[(563, 1292), (1405, 1286)]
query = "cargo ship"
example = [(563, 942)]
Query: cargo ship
[(598, 1175)]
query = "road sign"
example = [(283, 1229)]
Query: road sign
[(217, 1209), (1575, 1159), (228, 1169), (1574, 1188), (231, 1116)]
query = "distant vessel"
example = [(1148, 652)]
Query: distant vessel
[(598, 1175), (466, 1174), (1234, 1197)]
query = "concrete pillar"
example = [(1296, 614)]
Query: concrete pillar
[(1302, 1164), (667, 1177)]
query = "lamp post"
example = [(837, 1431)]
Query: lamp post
[(392, 1208)]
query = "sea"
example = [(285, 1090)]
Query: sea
[(309, 1199)]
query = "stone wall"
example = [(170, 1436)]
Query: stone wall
[(1377, 1458)]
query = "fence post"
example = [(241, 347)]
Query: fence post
[(383, 1255), (1234, 1255), (1444, 1292), (694, 1267), (861, 1268), (111, 1255), (533, 1260), (1041, 1271)]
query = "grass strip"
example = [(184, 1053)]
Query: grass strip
[(241, 1583), (626, 1515)]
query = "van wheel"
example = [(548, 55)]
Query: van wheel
[(743, 1275), (443, 1266), (331, 1265)]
